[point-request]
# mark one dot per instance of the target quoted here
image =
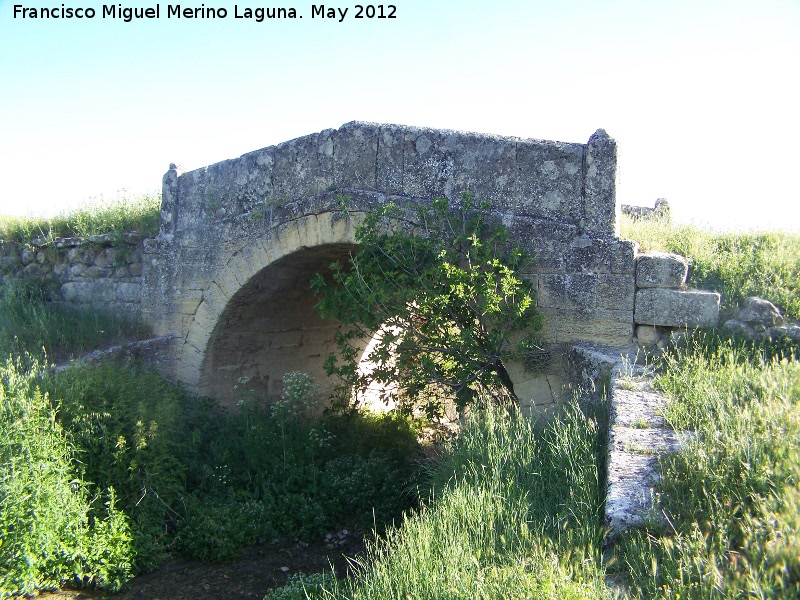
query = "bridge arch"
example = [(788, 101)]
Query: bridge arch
[(256, 318), (229, 231)]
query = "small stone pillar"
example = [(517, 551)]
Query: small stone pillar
[(169, 201), (600, 185)]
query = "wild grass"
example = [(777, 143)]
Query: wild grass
[(732, 497), (765, 264), (29, 323), (116, 216), (514, 513)]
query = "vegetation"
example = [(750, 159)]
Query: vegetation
[(123, 215), (105, 469), (445, 299), (738, 265), (54, 527), (731, 496), (29, 323), (515, 512)]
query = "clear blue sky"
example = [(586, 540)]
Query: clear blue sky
[(702, 96)]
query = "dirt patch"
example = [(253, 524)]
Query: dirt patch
[(255, 572)]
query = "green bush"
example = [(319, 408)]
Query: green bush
[(304, 473), (142, 435), (51, 532)]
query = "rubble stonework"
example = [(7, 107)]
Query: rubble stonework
[(99, 270), (758, 318)]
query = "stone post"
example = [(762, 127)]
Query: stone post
[(600, 185), (169, 201)]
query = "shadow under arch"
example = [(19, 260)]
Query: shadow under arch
[(257, 318), (270, 328)]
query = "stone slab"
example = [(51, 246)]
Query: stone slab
[(677, 308)]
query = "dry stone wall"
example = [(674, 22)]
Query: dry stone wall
[(102, 270)]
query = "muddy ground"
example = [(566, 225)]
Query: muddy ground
[(255, 572)]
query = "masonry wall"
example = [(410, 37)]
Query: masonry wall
[(102, 270)]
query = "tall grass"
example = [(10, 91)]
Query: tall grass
[(121, 215), (732, 497), (515, 513), (738, 265), (30, 323), (51, 530)]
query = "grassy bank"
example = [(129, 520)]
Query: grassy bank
[(514, 512), (122, 215), (731, 497), (765, 264)]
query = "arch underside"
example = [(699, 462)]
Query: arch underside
[(270, 328)]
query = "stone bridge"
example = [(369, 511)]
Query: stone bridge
[(228, 275)]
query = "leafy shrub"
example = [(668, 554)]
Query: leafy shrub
[(50, 531), (216, 529), (438, 300), (145, 437), (304, 475)]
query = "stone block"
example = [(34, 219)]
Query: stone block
[(591, 254), (355, 146), (303, 167), (661, 270), (389, 159), (609, 327), (428, 163), (96, 272), (573, 291), (106, 257), (648, 335), (73, 291), (759, 311), (77, 270), (677, 308), (549, 180), (615, 292), (486, 166)]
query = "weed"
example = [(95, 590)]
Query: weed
[(50, 529), (732, 494), (29, 322), (514, 512), (117, 216)]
